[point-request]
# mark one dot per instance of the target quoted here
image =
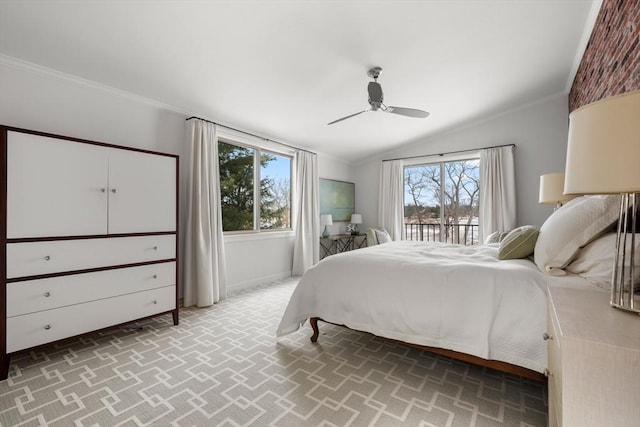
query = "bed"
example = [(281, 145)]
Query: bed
[(458, 300)]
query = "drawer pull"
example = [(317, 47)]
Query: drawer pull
[(546, 336), (47, 258), (155, 301), (47, 327), (103, 190), (114, 191), (47, 294), (155, 248), (155, 276)]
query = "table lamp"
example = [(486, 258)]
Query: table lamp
[(326, 220), (602, 158), (355, 220), (552, 188)]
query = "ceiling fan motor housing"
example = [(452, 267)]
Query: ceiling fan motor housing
[(375, 95)]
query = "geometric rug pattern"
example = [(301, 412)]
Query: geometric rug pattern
[(222, 366)]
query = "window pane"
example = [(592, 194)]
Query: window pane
[(461, 193), (275, 191), (442, 208), (422, 202), (236, 186)]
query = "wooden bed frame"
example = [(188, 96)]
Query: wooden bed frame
[(493, 364)]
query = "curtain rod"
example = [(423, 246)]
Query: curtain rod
[(450, 152), (251, 134)]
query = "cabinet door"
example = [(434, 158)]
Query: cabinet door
[(55, 187), (142, 192)]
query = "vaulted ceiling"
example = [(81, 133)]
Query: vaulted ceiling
[(284, 69)]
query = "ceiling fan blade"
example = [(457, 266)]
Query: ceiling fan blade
[(409, 112), (347, 117)]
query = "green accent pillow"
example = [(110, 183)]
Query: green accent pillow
[(519, 243)]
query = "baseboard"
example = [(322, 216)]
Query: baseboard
[(263, 280)]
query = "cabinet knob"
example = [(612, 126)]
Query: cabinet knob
[(114, 191), (47, 327), (47, 258), (155, 276), (47, 294), (103, 190), (546, 336), (154, 302), (547, 373), (155, 248)]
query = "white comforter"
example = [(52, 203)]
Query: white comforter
[(460, 298)]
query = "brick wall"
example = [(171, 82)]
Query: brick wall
[(611, 63)]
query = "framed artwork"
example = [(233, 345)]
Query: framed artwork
[(337, 198)]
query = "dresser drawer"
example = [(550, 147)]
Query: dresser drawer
[(34, 329), (35, 258), (44, 294)]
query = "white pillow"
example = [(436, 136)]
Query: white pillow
[(571, 227), (382, 236), (594, 262)]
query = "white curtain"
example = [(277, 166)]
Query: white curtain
[(391, 204), (498, 191), (306, 213), (205, 271)]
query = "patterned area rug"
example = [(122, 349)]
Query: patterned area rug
[(222, 366)]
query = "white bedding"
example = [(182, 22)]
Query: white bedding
[(454, 297)]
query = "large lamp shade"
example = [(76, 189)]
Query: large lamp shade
[(604, 147)]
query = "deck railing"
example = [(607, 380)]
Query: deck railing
[(462, 234)]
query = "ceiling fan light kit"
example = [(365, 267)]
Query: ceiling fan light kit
[(376, 98)]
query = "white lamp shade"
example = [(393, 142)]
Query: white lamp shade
[(356, 219), (604, 147), (551, 189), (326, 219)]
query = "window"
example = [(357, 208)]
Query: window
[(255, 188), (441, 201)]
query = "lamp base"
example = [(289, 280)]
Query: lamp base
[(325, 233), (623, 295)]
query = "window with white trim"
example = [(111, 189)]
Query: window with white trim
[(441, 201), (255, 187)]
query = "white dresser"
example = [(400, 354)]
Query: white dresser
[(594, 361), (89, 238)]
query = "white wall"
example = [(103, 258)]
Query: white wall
[(538, 130), (42, 100)]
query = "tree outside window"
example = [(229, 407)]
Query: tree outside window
[(441, 201), (242, 170)]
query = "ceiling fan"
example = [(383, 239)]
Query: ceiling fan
[(376, 97)]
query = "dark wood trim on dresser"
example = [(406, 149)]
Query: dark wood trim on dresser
[(176, 313), (4, 359), (87, 236), (4, 356), (85, 141)]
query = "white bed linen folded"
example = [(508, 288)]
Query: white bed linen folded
[(454, 297)]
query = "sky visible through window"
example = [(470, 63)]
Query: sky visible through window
[(279, 168)]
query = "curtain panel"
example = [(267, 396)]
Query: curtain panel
[(306, 249), (497, 191), (204, 267), (391, 203)]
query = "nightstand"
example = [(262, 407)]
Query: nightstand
[(339, 243), (593, 359)]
